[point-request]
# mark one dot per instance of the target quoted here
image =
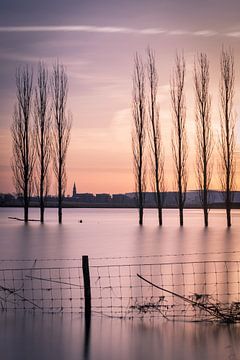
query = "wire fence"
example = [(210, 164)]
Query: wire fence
[(202, 290)]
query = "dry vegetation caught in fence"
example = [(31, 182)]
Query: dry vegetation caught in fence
[(201, 290)]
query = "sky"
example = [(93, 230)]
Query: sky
[(96, 41)]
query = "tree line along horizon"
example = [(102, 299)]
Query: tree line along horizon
[(41, 129)]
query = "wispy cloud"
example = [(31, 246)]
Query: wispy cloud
[(235, 34), (80, 28), (114, 30), (205, 33)]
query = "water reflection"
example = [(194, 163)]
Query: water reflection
[(107, 233), (114, 232), (87, 337), (59, 337)]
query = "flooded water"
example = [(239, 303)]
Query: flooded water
[(114, 233)]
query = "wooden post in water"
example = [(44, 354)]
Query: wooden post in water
[(87, 286)]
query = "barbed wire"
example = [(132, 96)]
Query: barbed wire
[(210, 253)]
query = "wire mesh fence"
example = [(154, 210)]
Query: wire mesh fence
[(49, 288), (181, 290)]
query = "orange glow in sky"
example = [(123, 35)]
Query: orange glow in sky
[(97, 48)]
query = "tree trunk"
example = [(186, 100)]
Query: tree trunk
[(25, 211), (228, 210), (140, 215), (181, 215), (60, 211), (41, 210), (140, 205), (205, 206), (229, 224), (41, 201), (205, 217), (160, 221), (25, 199), (59, 201)]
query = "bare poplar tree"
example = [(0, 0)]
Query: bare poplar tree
[(203, 131), (179, 137), (61, 133), (157, 159), (42, 135), (227, 138), (139, 132), (23, 149)]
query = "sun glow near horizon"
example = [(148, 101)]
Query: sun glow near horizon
[(98, 55)]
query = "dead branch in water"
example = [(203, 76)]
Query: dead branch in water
[(226, 315), (23, 298), (19, 219)]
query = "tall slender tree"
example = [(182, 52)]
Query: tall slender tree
[(42, 127), (227, 138), (156, 148), (179, 137), (23, 147), (61, 133), (139, 132), (203, 131)]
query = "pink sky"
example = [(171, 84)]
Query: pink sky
[(97, 49)]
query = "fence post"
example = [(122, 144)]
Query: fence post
[(87, 286)]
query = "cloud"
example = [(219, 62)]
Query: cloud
[(205, 33), (111, 30), (178, 32), (79, 28), (234, 34)]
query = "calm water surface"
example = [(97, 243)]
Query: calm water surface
[(115, 233)]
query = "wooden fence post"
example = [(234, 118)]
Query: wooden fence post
[(87, 286)]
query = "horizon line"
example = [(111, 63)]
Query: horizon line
[(124, 193)]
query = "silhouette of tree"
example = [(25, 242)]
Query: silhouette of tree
[(42, 127), (156, 148), (61, 133), (179, 138), (22, 137), (139, 132), (227, 138), (203, 131)]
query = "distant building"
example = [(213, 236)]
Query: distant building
[(82, 197), (86, 197), (74, 193), (119, 198), (103, 198)]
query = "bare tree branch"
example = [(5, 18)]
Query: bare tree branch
[(22, 137), (156, 148), (204, 135), (179, 137), (62, 127), (43, 136), (139, 132), (227, 139)]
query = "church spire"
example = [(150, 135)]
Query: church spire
[(74, 190)]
